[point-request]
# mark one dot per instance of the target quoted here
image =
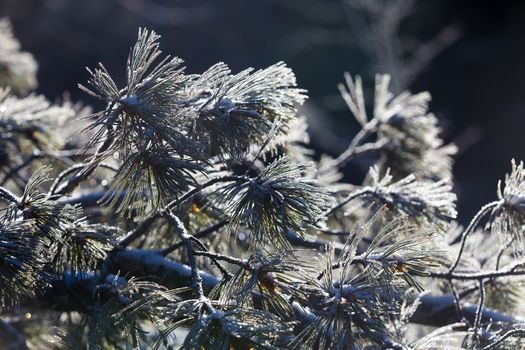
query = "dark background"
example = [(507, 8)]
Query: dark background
[(476, 78)]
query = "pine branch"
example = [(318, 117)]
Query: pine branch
[(215, 259), (87, 200), (201, 234), (76, 168), (520, 332), (85, 171), (140, 229), (229, 259), (472, 225), (354, 148), (144, 263), (479, 310), (167, 130), (514, 269), (434, 310), (190, 252), (313, 243), (200, 187), (364, 191), (9, 196)]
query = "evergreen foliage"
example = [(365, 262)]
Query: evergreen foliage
[(189, 212)]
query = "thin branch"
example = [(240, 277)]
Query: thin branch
[(190, 252), (15, 170), (472, 225), (439, 310), (9, 196), (200, 187), (512, 270), (91, 199), (312, 242), (62, 155), (229, 259), (512, 333), (214, 260), (139, 230), (457, 298), (358, 193), (479, 311), (150, 264), (331, 232), (203, 233), (367, 130), (94, 331), (434, 310), (72, 169), (350, 153), (502, 251), (86, 171)]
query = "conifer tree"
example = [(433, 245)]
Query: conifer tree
[(190, 213)]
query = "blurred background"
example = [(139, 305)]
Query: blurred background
[(470, 55)]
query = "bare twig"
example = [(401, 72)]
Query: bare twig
[(138, 231), (229, 259), (358, 193), (203, 233), (214, 260), (519, 332), (85, 171), (511, 270), (472, 225), (353, 149), (9, 196), (479, 311), (200, 187), (190, 252)]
